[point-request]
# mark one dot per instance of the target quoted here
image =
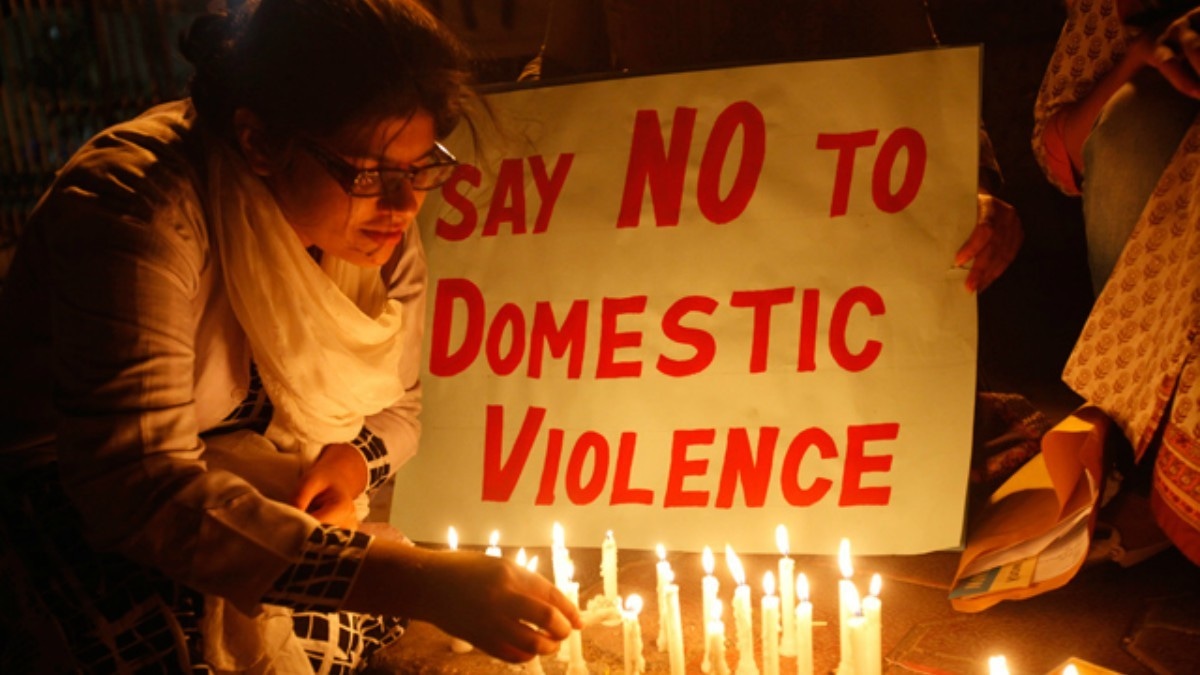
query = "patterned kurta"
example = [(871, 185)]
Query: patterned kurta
[(1137, 355)]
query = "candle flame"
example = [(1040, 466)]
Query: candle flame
[(452, 539), (844, 559), (608, 536), (532, 564), (558, 537), (997, 665), (633, 604), (734, 565), (521, 559), (495, 538), (708, 560), (781, 539), (662, 552), (876, 585), (802, 587), (769, 583), (1070, 669)]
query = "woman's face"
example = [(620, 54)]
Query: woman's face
[(360, 230)]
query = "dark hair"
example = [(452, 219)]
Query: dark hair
[(313, 66)]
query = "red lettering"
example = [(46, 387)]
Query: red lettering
[(455, 199), (762, 302), (611, 339), (549, 187), (841, 318), (508, 199), (914, 172), (442, 361), (500, 476), (806, 359), (622, 493), (742, 465), (847, 145), (701, 341), (858, 463), (793, 492), (746, 116), (554, 447), (571, 335), (508, 320), (682, 468), (652, 164), (579, 491)]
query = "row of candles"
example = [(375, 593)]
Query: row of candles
[(786, 618)]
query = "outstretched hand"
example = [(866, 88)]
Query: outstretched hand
[(328, 488), (498, 606), (993, 243)]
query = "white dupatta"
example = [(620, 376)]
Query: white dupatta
[(325, 338)]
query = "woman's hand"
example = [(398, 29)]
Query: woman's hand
[(993, 243), (328, 488), (1176, 53), (496, 605)]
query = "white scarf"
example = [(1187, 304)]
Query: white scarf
[(325, 338)]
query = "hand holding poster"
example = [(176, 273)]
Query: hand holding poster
[(688, 308)]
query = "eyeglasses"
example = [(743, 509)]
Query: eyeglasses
[(375, 182)]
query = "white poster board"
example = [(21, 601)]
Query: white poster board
[(688, 308)]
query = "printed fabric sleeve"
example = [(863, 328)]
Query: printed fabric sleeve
[(390, 437), (327, 568), (1093, 40), (124, 252)]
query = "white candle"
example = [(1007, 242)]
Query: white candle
[(846, 589), (575, 663), (709, 586), (663, 576), (493, 548), (858, 643), (534, 665), (804, 645), (457, 645), (631, 628), (741, 615), (558, 555), (872, 608), (608, 566), (787, 594), (997, 665), (854, 633), (674, 629), (769, 615), (714, 641)]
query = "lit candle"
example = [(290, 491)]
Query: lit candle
[(674, 628), (631, 629), (558, 555), (997, 665), (457, 645), (493, 548), (714, 641), (857, 630), (769, 615), (663, 576), (846, 590), (1070, 669), (804, 645), (872, 608), (608, 566), (787, 594), (575, 663), (709, 586), (741, 615)]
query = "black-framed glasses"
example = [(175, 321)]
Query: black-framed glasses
[(381, 181)]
